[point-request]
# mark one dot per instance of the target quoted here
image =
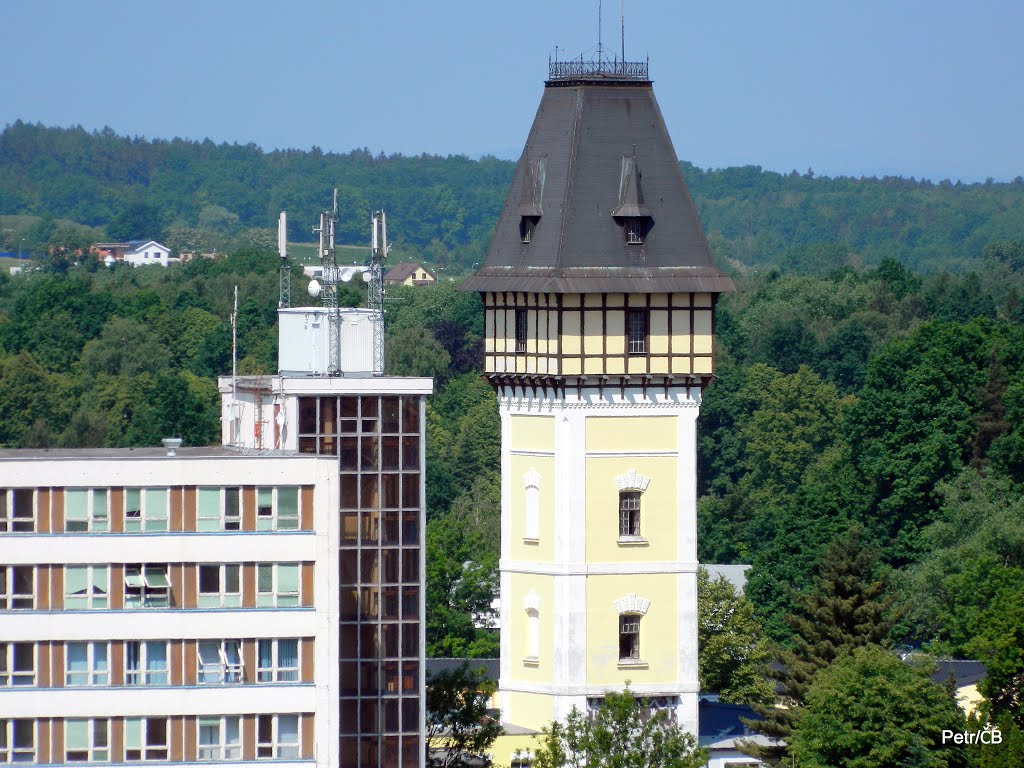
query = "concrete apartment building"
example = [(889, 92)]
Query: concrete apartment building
[(256, 601)]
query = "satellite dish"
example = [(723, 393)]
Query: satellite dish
[(313, 288), (346, 275), (366, 277)]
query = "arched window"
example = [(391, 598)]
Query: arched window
[(531, 485)]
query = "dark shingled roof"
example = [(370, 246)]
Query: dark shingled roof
[(598, 153)]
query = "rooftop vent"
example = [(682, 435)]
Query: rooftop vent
[(172, 444)]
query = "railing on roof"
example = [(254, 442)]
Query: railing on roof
[(579, 69)]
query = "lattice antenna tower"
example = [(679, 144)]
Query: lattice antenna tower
[(285, 280), (328, 284), (375, 297)]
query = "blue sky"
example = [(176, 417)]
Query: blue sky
[(855, 87)]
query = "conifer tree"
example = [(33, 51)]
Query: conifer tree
[(848, 607)]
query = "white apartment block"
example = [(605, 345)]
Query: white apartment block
[(174, 609)]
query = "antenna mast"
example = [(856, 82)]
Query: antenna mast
[(329, 283), (622, 28), (375, 298), (285, 281)]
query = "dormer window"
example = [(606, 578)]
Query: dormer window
[(635, 229), (527, 225)]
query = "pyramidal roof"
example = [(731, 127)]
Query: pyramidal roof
[(598, 167)]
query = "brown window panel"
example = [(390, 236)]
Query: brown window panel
[(42, 661), (43, 517), (117, 740), (306, 734), (117, 510), (43, 741), (53, 507), (249, 661), (55, 575), (177, 579), (248, 737), (57, 654), (306, 660), (249, 508), (177, 521), (191, 505), (248, 585), (117, 662), (191, 586), (43, 595), (306, 597), (117, 586), (57, 739), (191, 651), (176, 737), (189, 727), (177, 662), (306, 513)]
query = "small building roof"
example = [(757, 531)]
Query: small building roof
[(403, 270), (491, 667), (721, 726), (963, 671)]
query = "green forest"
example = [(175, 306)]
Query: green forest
[(870, 380)]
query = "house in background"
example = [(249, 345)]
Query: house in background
[(409, 273), (138, 253)]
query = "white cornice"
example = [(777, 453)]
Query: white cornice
[(597, 569)]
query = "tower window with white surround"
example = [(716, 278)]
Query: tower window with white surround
[(145, 662), (85, 586), (85, 510), (278, 661), (17, 587), (146, 586), (277, 736), (145, 510), (86, 664), (629, 513), (17, 511), (220, 661), (531, 528), (629, 637), (220, 586)]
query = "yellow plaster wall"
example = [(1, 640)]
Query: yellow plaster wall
[(543, 550), (659, 332), (659, 644), (571, 332), (702, 332), (632, 433), (532, 433), (616, 331), (529, 710), (659, 520)]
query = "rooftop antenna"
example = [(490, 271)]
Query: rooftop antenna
[(285, 281), (375, 277), (622, 28), (600, 50), (329, 283), (233, 427)]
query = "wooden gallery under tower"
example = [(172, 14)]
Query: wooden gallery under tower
[(599, 290)]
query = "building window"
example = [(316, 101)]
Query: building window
[(17, 587), (520, 330), (635, 229), (527, 226), (219, 738), (86, 510), (145, 509), (629, 637), (85, 587), (17, 510), (533, 635), (145, 662), (87, 741), (280, 516), (220, 661), (277, 736), (146, 586), (637, 331), (17, 741), (17, 664), (145, 738), (213, 514), (629, 513), (86, 664), (277, 585), (220, 586), (278, 661)]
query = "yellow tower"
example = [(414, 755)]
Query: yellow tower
[(599, 291)]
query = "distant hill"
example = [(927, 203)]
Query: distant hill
[(445, 207)]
